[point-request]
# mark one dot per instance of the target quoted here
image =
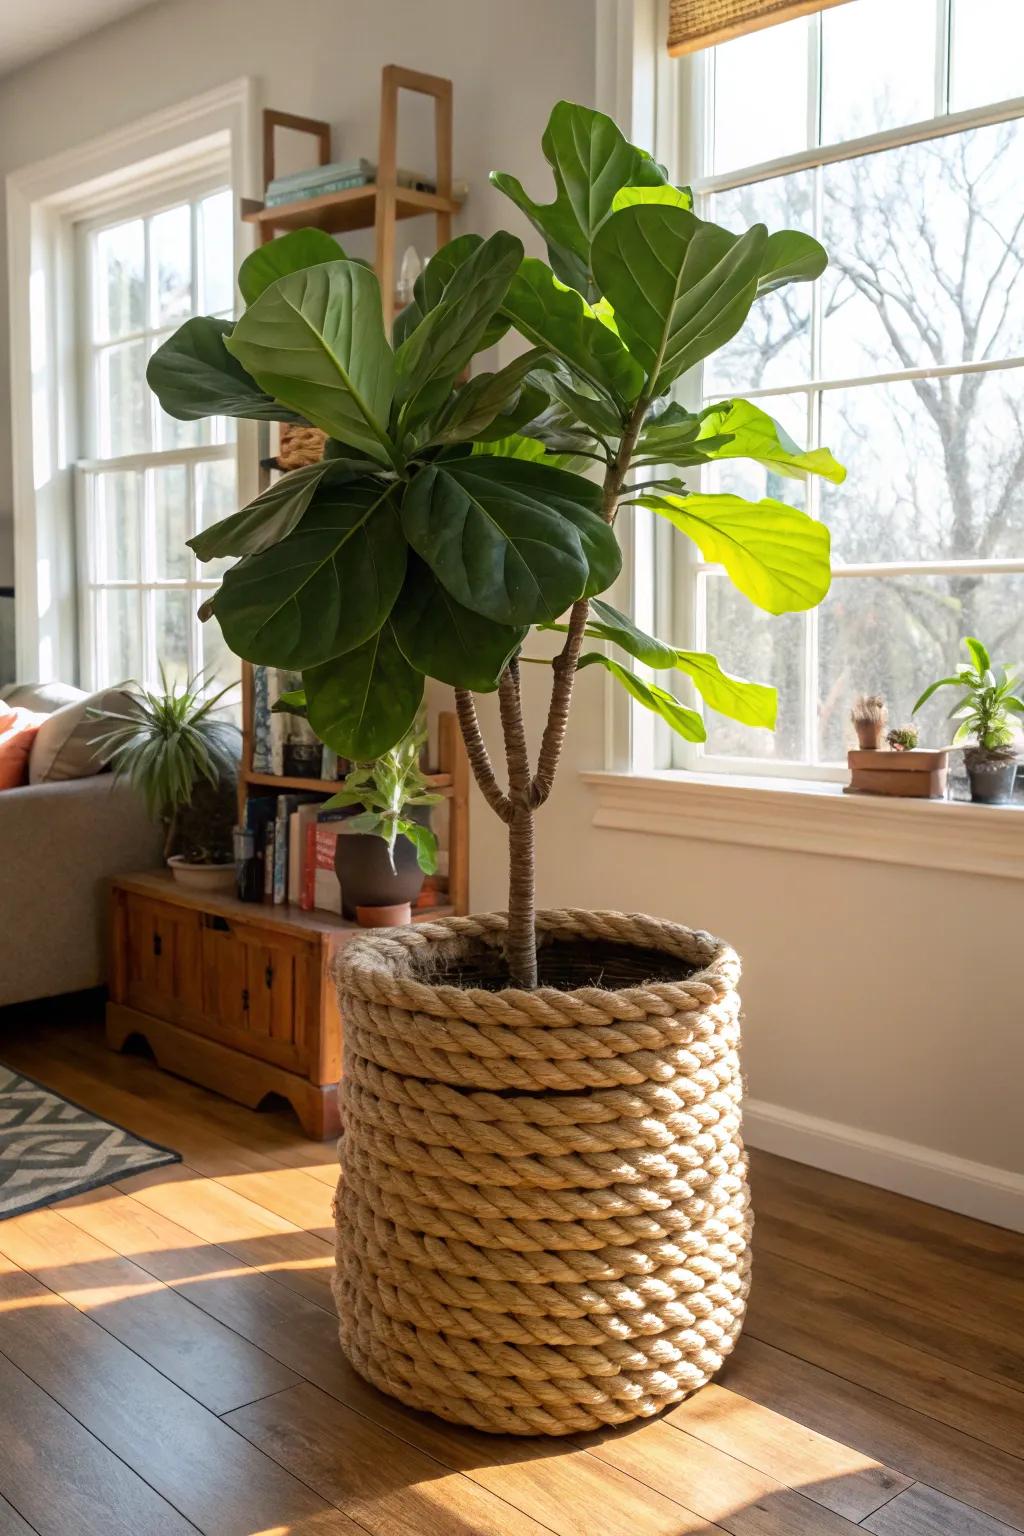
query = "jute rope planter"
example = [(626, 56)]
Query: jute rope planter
[(543, 1215)]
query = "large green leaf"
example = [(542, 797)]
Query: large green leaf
[(361, 703), (446, 640), (685, 722), (751, 433), (680, 287), (674, 197), (514, 541), (776, 555), (271, 516), (480, 400), (434, 279), (590, 161), (293, 252), (557, 319), (790, 257), (325, 588), (193, 375), (315, 340), (453, 330)]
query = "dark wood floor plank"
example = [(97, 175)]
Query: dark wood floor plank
[(737, 1497), (922, 1448), (832, 1474), (922, 1511), (209, 1361), (212, 1475), (382, 1482), (820, 1319), (62, 1479)]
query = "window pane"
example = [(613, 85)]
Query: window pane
[(119, 652), (774, 345), (926, 258), (761, 96), (935, 469), (743, 477), (220, 665), (764, 649), (878, 67), (172, 621), (118, 513), (123, 400), (170, 237), (988, 45), (120, 280), (216, 498), (171, 522), (217, 253), (896, 635)]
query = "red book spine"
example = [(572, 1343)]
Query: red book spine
[(306, 899)]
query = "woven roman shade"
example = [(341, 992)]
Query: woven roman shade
[(694, 24)]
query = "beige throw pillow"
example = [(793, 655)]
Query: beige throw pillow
[(66, 744)]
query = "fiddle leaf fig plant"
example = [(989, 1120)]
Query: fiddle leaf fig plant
[(452, 516)]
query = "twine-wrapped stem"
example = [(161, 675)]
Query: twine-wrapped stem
[(525, 794)]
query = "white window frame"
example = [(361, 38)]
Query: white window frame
[(665, 569), (191, 189), (44, 201)]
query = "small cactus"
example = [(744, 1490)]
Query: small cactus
[(902, 738)]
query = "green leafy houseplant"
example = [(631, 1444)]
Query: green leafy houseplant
[(166, 745), (448, 519), (386, 788), (986, 703)]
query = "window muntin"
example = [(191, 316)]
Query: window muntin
[(147, 482), (905, 360)]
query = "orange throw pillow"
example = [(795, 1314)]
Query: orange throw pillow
[(17, 733)]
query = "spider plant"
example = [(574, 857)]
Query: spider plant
[(166, 742)]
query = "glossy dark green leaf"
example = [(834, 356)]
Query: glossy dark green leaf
[(453, 330), (447, 641), (292, 252), (438, 273), (193, 375), (680, 287), (514, 541), (685, 722), (363, 702), (271, 516), (558, 320), (775, 555), (474, 406), (590, 161), (315, 340), (325, 588)]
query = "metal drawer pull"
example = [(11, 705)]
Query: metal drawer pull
[(158, 944)]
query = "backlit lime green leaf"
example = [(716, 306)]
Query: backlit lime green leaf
[(751, 433), (685, 722)]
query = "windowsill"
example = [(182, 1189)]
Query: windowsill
[(807, 816)]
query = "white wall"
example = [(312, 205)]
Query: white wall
[(318, 58)]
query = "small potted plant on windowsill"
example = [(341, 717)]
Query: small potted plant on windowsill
[(173, 749), (984, 710), (383, 853), (868, 716)]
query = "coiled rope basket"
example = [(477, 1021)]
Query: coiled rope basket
[(543, 1215)]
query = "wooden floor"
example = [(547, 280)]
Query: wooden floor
[(169, 1364)]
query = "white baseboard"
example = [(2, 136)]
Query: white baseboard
[(974, 1189)]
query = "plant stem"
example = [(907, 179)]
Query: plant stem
[(521, 946), (171, 833)]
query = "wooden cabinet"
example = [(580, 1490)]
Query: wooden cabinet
[(232, 995)]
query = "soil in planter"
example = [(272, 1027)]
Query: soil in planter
[(565, 966)]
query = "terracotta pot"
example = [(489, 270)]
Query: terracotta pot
[(543, 1215), (384, 917), (869, 734)]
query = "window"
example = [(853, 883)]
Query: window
[(148, 482), (890, 142)]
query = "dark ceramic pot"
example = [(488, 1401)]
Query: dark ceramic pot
[(991, 779), (366, 877)]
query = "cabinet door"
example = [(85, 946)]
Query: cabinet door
[(270, 973), (162, 959), (254, 990)]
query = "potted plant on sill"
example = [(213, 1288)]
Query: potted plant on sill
[(868, 717), (576, 1251), (984, 710), (383, 853), (171, 747)]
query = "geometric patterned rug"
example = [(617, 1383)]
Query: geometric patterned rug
[(51, 1148)]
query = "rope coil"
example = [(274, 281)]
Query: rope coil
[(543, 1215)]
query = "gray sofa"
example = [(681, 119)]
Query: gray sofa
[(60, 842)]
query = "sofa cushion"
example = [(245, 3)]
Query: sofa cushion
[(18, 729), (44, 698), (66, 746)]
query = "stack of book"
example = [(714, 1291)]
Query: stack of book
[(285, 744), (339, 177)]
